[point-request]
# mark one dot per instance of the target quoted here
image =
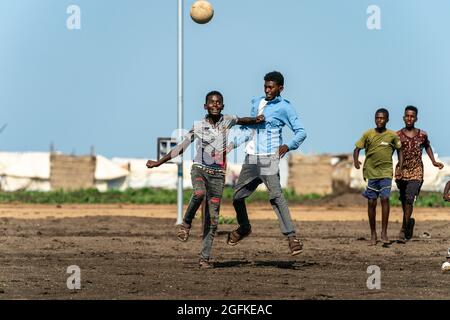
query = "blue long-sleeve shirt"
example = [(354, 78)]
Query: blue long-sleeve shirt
[(267, 136)]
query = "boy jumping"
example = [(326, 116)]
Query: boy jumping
[(379, 145), (208, 170), (264, 152)]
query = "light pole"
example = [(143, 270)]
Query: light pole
[(180, 112)]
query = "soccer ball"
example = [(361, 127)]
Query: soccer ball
[(202, 12), (446, 267)]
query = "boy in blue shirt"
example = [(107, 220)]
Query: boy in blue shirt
[(263, 156)]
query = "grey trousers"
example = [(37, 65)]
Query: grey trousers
[(257, 170)]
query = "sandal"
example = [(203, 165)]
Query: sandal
[(205, 264), (183, 232), (295, 245), (237, 235)]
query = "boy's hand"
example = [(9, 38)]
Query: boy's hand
[(398, 173), (439, 165), (447, 197), (357, 164), (282, 150), (229, 148), (152, 164), (220, 154), (260, 118)]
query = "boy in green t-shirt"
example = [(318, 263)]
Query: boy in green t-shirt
[(379, 145)]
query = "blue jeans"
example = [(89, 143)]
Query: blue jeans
[(378, 188)]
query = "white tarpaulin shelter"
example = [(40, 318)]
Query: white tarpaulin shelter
[(108, 174), (31, 171), (25, 171), (140, 176)]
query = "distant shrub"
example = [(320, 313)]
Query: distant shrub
[(164, 196)]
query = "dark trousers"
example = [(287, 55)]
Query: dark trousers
[(207, 184)]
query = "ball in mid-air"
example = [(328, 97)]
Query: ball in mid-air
[(202, 11), (446, 267)]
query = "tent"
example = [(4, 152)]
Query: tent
[(31, 171), (25, 171)]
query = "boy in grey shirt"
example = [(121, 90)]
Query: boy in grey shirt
[(208, 170)]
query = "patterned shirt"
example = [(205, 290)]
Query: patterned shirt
[(212, 140), (412, 154)]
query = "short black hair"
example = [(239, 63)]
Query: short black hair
[(276, 77), (213, 93), (383, 110), (412, 108)]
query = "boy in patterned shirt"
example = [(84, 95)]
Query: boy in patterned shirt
[(379, 145), (208, 170), (413, 142)]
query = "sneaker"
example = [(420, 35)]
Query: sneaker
[(410, 229), (237, 235), (205, 264), (183, 231), (295, 245)]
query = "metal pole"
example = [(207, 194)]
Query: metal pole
[(180, 111)]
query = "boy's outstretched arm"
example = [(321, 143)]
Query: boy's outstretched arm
[(242, 135), (175, 152), (430, 154), (356, 161), (250, 120), (294, 123), (398, 170), (447, 192)]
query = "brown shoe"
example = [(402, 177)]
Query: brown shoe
[(205, 264), (295, 245), (183, 232), (237, 235)]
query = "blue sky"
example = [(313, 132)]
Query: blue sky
[(113, 84)]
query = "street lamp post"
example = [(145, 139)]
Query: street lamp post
[(180, 111)]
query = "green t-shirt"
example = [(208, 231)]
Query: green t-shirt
[(379, 148)]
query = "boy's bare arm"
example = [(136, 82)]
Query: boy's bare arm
[(356, 161), (430, 154), (251, 120), (398, 170), (447, 192), (175, 152)]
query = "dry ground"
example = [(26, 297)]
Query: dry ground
[(130, 252)]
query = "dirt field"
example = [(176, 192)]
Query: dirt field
[(130, 252)]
